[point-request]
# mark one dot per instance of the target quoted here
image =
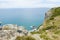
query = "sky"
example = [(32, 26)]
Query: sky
[(29, 3)]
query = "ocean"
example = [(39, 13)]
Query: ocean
[(26, 17)]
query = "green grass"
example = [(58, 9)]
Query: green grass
[(45, 37), (24, 38), (35, 32)]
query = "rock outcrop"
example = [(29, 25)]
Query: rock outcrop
[(11, 31)]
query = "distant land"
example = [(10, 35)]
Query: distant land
[(23, 16)]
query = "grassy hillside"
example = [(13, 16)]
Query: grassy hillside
[(51, 25)]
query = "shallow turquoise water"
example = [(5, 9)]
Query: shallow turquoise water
[(23, 16)]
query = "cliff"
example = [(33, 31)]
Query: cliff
[(51, 25), (50, 29)]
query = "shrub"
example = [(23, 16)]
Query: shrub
[(37, 32), (29, 38), (19, 38), (24, 38)]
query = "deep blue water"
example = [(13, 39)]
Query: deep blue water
[(23, 16)]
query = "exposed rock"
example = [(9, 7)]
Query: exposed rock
[(10, 31)]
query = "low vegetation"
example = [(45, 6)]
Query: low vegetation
[(24, 38)]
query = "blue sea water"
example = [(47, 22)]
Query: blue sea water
[(23, 16)]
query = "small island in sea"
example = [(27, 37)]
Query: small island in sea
[(49, 30)]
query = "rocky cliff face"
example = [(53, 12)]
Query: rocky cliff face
[(50, 30), (52, 15), (51, 26), (11, 31)]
